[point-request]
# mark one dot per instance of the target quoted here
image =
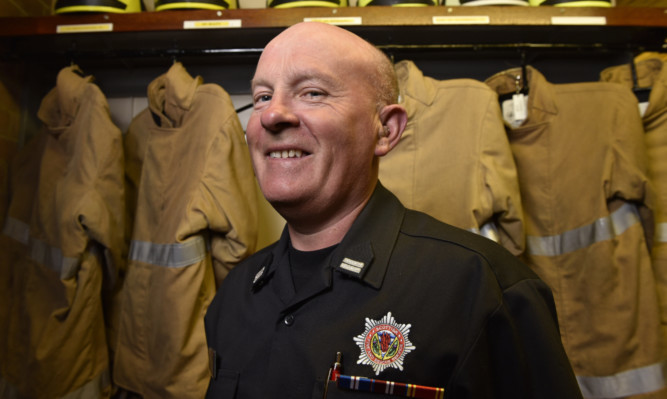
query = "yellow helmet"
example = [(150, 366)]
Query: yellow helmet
[(571, 3), (471, 3), (397, 3), (305, 3), (162, 5), (116, 6)]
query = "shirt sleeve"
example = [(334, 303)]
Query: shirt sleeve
[(518, 353)]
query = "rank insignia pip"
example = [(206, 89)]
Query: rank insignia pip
[(384, 344), (259, 275)]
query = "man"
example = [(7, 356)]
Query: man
[(400, 296)]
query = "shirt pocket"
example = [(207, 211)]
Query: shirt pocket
[(223, 385)]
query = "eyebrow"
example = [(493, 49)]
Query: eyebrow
[(254, 83), (300, 78)]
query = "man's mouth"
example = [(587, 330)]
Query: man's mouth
[(287, 154)]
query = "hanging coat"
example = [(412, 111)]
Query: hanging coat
[(62, 245), (652, 75), (582, 169), (454, 160), (193, 200)]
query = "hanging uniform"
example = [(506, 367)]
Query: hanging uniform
[(61, 245), (651, 74), (582, 167), (454, 160), (189, 174)]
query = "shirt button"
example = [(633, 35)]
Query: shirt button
[(289, 320)]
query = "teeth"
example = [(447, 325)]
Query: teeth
[(286, 154)]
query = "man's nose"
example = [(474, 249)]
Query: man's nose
[(279, 115)]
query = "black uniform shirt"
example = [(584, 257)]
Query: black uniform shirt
[(443, 307)]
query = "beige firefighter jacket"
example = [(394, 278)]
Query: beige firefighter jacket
[(454, 160), (61, 244), (582, 170), (651, 74), (193, 199)]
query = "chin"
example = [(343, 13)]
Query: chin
[(283, 200)]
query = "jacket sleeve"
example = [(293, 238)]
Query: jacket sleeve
[(99, 209), (518, 354), (501, 181), (233, 221), (628, 179)]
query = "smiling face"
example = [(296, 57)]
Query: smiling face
[(314, 129)]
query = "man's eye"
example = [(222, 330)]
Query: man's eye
[(314, 94), (262, 98)]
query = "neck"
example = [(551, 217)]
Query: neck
[(309, 238)]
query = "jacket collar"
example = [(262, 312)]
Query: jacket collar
[(541, 96), (652, 73), (648, 71), (170, 96), (364, 252), (60, 106), (414, 84)]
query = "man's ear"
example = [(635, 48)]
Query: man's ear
[(393, 118)]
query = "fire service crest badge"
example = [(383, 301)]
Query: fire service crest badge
[(384, 343)]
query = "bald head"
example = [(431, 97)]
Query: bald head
[(318, 32), (328, 42)]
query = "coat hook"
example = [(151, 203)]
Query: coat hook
[(633, 71), (524, 72)]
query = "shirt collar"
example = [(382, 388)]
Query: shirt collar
[(365, 250)]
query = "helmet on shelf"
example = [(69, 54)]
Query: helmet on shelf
[(397, 3), (115, 6), (572, 3), (305, 3), (470, 3), (162, 5)]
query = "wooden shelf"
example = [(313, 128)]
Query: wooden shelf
[(419, 25), (368, 17), (233, 39)]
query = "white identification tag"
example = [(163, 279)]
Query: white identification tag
[(515, 111), (520, 108)]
